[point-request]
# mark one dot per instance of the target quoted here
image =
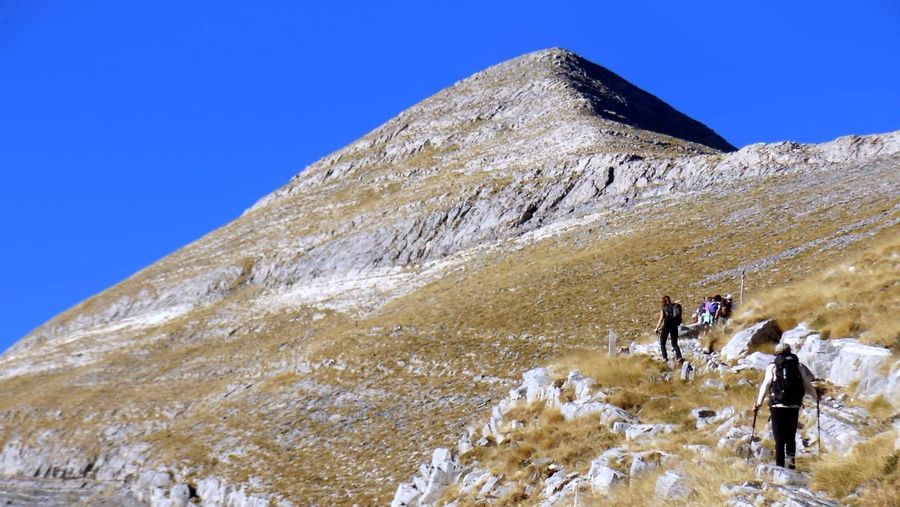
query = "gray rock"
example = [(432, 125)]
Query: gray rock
[(756, 361), (687, 371), (406, 495), (711, 383), (861, 363), (604, 478), (642, 462), (818, 354), (645, 431), (673, 486), (766, 331), (795, 337), (180, 495), (780, 475), (582, 385), (703, 417), (536, 382)]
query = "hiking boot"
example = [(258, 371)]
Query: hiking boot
[(791, 463)]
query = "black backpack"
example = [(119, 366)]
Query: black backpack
[(672, 313), (787, 387)]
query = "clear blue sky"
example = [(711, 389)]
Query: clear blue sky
[(130, 128)]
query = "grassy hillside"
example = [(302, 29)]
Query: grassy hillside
[(337, 408)]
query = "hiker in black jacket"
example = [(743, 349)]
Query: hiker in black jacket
[(669, 320), (785, 383)]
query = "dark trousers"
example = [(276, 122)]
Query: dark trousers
[(784, 429), (669, 331)]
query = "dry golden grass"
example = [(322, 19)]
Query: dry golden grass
[(858, 297), (506, 313), (872, 465), (545, 435)]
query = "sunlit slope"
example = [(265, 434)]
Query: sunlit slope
[(365, 397)]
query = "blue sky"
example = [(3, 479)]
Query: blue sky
[(129, 129)]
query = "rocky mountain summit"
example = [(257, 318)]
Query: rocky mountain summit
[(311, 351)]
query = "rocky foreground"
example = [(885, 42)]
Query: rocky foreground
[(454, 478)]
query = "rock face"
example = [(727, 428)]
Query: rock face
[(764, 332), (269, 343)]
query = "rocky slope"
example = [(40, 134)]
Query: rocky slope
[(360, 314)]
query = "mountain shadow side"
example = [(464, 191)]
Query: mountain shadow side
[(613, 98)]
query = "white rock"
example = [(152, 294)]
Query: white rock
[(642, 431), (764, 332), (711, 383), (611, 456), (642, 462), (535, 383), (795, 337), (756, 361), (406, 495), (818, 354), (780, 475), (604, 478), (673, 486), (581, 384), (180, 495), (703, 416), (862, 363)]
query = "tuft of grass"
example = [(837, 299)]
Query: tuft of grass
[(858, 297), (872, 465)]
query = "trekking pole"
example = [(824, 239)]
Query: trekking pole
[(818, 427), (752, 432)]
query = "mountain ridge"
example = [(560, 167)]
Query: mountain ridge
[(412, 275)]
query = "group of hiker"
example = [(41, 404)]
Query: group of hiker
[(714, 309), (785, 383)]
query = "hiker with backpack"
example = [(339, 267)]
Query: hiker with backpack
[(725, 307), (785, 383), (667, 327)]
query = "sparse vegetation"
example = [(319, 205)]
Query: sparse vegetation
[(858, 297), (871, 471)]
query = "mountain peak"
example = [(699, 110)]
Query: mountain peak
[(613, 98)]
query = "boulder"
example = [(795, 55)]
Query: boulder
[(642, 462), (673, 486), (766, 331), (780, 475), (838, 428), (711, 383), (603, 478), (703, 417), (536, 382), (795, 337), (473, 479), (180, 495), (818, 354), (862, 363), (581, 384), (557, 481), (574, 410), (612, 456), (755, 361), (406, 495), (687, 372), (642, 431)]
